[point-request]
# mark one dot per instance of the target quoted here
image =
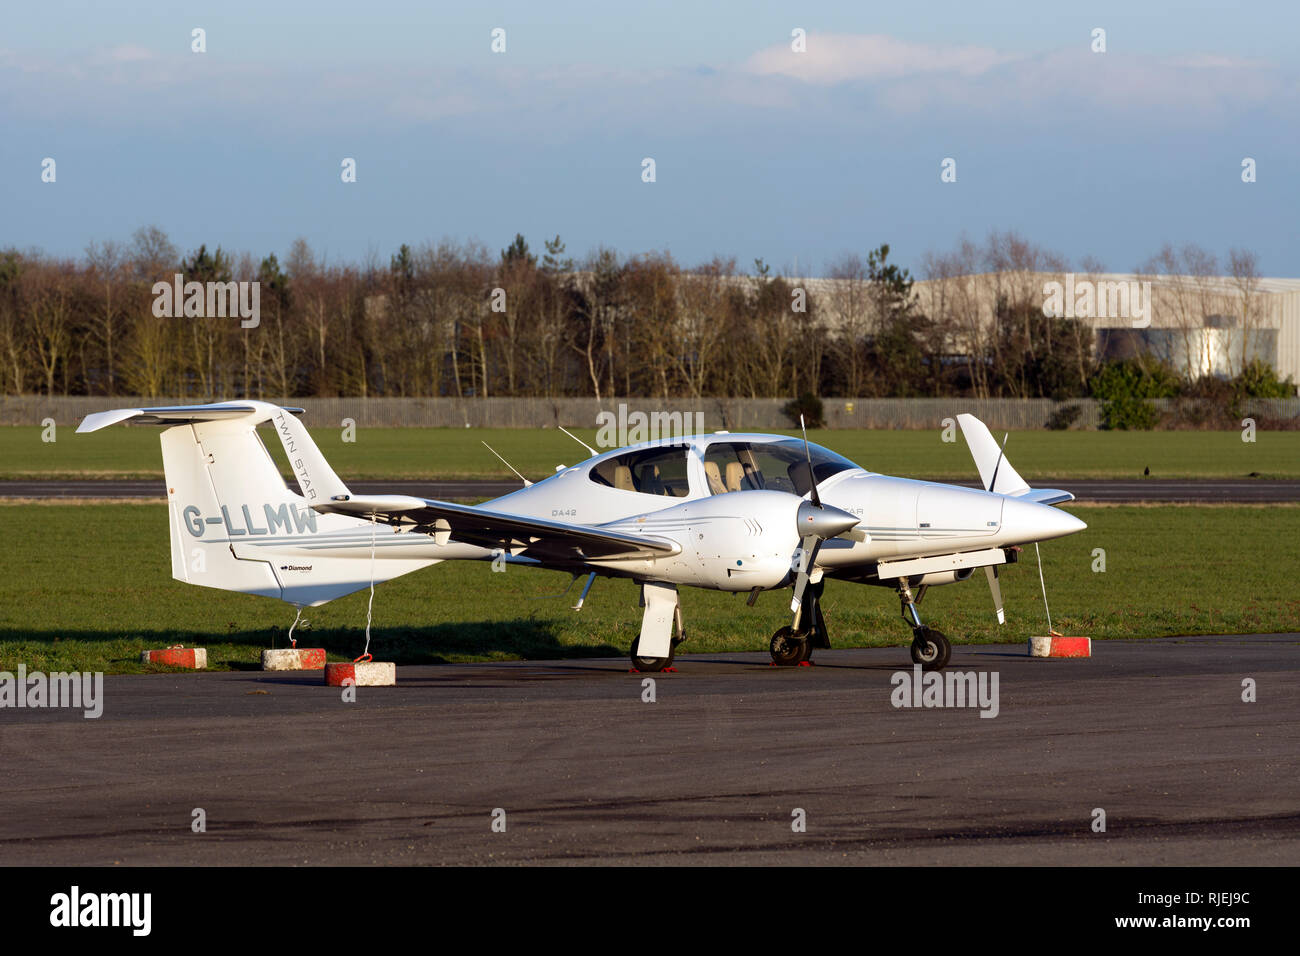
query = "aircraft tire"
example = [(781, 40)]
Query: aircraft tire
[(787, 649), (931, 649), (649, 665)]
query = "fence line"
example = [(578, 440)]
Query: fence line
[(732, 414)]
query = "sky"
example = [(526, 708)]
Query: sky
[(758, 150)]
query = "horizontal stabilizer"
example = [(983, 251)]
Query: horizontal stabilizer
[(1046, 496), (174, 415), (363, 506)]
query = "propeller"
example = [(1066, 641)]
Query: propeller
[(816, 522), (991, 570)]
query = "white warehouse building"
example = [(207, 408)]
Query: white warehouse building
[(1199, 324)]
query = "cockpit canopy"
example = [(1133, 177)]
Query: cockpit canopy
[(776, 466), (728, 466)]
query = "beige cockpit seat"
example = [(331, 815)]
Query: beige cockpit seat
[(735, 476), (714, 476)]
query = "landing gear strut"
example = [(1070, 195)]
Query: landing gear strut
[(930, 648), (661, 625), (791, 647)]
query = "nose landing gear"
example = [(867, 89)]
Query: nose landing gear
[(930, 648)]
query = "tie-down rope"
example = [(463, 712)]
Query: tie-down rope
[(1044, 587), (365, 654)]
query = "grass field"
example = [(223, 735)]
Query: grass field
[(458, 453), (88, 587)]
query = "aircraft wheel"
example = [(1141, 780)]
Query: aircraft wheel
[(930, 649), (649, 665), (807, 649), (788, 648)]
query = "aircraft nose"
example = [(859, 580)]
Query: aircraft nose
[(1025, 521), (825, 522)]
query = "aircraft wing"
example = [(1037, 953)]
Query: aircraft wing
[(517, 534)]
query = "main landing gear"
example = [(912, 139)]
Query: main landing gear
[(653, 665), (794, 645), (930, 648), (661, 628)]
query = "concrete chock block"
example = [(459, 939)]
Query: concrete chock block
[(195, 658), (1055, 646), (363, 674), (293, 659)]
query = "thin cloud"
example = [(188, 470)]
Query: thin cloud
[(839, 58), (903, 77), (128, 53)]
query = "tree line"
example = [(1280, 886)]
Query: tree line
[(456, 319)]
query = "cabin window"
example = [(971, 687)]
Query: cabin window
[(652, 471)]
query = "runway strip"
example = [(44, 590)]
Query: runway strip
[(1234, 490), (1154, 733)]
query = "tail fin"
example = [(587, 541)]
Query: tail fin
[(237, 526), (315, 476), (996, 473)]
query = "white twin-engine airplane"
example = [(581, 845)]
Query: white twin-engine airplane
[(742, 512)]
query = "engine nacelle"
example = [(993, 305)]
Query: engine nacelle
[(733, 542), (935, 578), (743, 540)]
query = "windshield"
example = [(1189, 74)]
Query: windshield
[(776, 466)]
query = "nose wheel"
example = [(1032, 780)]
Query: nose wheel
[(930, 649)]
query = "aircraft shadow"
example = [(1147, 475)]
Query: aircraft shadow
[(436, 644)]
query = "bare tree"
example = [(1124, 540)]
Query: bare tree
[(1243, 267), (49, 319), (108, 265), (849, 306), (700, 328)]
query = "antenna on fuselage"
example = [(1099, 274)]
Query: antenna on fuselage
[(1001, 452), (527, 483), (590, 450)]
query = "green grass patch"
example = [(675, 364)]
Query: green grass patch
[(88, 587), (458, 453)]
